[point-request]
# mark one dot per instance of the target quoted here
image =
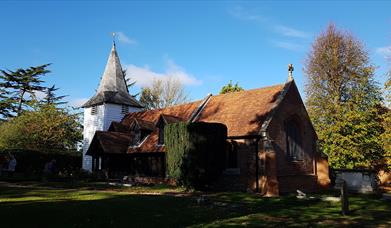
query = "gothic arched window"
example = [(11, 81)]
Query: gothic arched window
[(294, 149)]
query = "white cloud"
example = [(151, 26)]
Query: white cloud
[(78, 102), (244, 14), (283, 30), (288, 45), (290, 32), (123, 38), (384, 51), (144, 76)]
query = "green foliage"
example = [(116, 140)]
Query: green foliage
[(195, 152), (129, 82), (51, 98), (386, 136), (229, 88), (44, 129), (21, 86), (343, 100)]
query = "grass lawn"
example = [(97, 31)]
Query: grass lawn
[(99, 206)]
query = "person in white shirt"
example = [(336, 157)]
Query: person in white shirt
[(10, 169), (12, 164)]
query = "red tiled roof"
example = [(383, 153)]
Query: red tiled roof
[(110, 142), (149, 145), (242, 112), (118, 127), (183, 111)]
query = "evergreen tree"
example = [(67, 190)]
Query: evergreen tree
[(5, 104), (51, 98), (343, 100), (229, 88), (129, 83), (21, 86)]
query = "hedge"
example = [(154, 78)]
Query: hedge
[(32, 162), (195, 152)]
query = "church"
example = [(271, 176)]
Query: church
[(271, 142)]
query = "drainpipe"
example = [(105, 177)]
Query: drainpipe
[(256, 165), (264, 138)]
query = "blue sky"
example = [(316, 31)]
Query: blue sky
[(205, 44)]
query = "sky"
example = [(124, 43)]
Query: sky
[(205, 44)]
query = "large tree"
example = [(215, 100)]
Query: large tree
[(229, 88), (163, 93), (21, 86), (44, 128), (386, 137), (343, 100)]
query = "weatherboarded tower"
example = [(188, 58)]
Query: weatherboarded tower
[(110, 103)]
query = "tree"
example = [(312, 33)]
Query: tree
[(51, 98), (343, 100), (386, 136), (163, 93), (5, 104), (129, 82), (45, 128), (21, 83), (229, 88)]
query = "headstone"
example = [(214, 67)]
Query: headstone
[(344, 199)]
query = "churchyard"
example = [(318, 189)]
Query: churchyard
[(74, 204)]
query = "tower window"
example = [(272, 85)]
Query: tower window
[(293, 141), (94, 110), (124, 109)]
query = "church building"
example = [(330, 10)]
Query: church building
[(271, 144)]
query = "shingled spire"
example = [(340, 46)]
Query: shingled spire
[(112, 87)]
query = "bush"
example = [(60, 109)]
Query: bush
[(31, 163), (195, 152)]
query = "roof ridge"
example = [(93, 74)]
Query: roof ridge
[(249, 90)]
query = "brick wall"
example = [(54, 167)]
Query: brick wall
[(302, 174)]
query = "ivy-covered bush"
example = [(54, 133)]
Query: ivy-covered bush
[(195, 152)]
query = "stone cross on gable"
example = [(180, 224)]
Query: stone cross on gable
[(290, 72)]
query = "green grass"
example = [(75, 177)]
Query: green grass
[(96, 205)]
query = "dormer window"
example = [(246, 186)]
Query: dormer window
[(124, 109), (94, 110), (141, 129), (162, 121), (161, 136), (137, 137)]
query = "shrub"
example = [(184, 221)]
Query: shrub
[(195, 152)]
